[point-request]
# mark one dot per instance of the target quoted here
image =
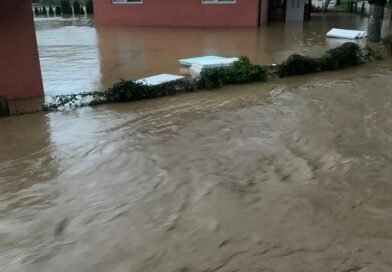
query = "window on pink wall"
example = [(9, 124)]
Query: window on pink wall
[(218, 1), (127, 1)]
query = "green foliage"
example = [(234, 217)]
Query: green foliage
[(123, 91), (66, 7), (76, 7), (298, 65), (348, 54), (242, 71), (127, 90), (44, 11), (82, 11), (36, 11), (388, 44), (89, 7)]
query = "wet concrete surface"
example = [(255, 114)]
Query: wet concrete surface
[(290, 175)]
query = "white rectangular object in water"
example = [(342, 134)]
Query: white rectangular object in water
[(197, 67), (346, 34), (190, 61), (159, 79)]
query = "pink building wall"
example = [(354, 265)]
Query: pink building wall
[(20, 72), (243, 13)]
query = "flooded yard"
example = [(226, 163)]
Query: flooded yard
[(290, 175), (75, 56)]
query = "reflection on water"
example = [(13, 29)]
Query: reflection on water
[(76, 57)]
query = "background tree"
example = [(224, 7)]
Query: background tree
[(58, 11), (44, 11), (89, 7), (66, 7), (36, 11), (76, 7), (51, 11), (375, 19)]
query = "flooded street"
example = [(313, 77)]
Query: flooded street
[(75, 56), (290, 175)]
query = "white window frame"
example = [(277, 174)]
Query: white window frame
[(125, 2), (214, 2)]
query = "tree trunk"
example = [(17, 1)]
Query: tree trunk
[(325, 7), (375, 23)]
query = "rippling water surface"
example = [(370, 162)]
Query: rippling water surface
[(291, 175)]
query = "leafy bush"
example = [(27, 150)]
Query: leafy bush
[(242, 71), (388, 44), (298, 65), (123, 91), (127, 90), (348, 54)]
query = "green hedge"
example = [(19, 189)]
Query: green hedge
[(348, 54), (240, 72), (127, 90)]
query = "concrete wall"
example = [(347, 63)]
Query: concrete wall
[(243, 13), (20, 72)]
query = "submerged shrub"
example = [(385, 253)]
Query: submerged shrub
[(127, 90), (242, 71), (211, 78), (388, 44), (348, 54), (298, 65)]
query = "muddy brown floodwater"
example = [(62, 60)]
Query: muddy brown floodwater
[(75, 56), (290, 175)]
